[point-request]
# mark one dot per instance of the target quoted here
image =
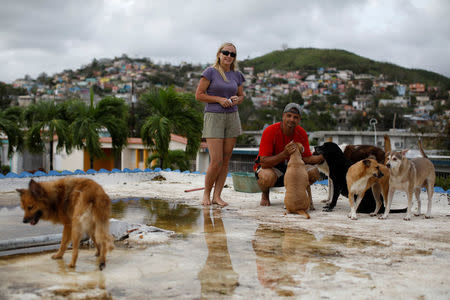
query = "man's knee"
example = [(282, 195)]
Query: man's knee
[(266, 178)]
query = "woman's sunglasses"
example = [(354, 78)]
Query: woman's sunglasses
[(226, 53)]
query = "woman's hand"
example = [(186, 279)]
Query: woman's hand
[(237, 99), (226, 102)]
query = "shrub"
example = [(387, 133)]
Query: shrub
[(5, 169), (443, 182)]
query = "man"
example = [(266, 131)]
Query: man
[(277, 145)]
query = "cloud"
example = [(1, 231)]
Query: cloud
[(50, 36)]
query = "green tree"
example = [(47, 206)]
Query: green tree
[(247, 113), (176, 159), (359, 120), (367, 85), (10, 125), (391, 116), (334, 99), (44, 120), (171, 112), (110, 113), (351, 93), (7, 91)]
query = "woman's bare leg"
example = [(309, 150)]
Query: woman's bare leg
[(228, 145), (215, 148)]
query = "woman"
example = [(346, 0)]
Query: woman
[(221, 88)]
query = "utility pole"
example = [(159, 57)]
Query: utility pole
[(374, 122)]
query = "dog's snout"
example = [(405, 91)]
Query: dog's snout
[(26, 220), (388, 165), (380, 174)]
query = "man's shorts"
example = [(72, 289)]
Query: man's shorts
[(221, 125), (279, 170)]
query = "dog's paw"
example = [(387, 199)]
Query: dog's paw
[(407, 218), (56, 256), (101, 266), (327, 208), (416, 214), (373, 214), (383, 217), (428, 217), (71, 265)]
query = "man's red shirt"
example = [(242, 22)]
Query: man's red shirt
[(273, 141)]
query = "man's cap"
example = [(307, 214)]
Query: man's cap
[(292, 108)]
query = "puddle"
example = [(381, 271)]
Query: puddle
[(215, 254), (169, 215)]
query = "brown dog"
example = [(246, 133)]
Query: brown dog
[(80, 204), (296, 182), (361, 176)]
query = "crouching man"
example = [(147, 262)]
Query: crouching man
[(275, 150)]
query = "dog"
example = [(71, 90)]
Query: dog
[(296, 182), (338, 165), (365, 174), (80, 204), (410, 175), (355, 153)]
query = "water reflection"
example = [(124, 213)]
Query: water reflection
[(276, 254), (285, 257), (217, 275), (169, 215)]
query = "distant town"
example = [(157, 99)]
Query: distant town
[(350, 94)]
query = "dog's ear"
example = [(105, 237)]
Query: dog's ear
[(21, 191), (366, 163), (36, 189)]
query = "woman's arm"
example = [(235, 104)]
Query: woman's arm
[(202, 96), (239, 98)]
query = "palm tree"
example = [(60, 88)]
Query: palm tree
[(176, 159), (171, 112), (111, 113), (10, 124), (44, 120)]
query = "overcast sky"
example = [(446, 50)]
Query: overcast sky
[(50, 36)]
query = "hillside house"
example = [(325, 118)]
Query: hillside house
[(416, 88), (394, 102)]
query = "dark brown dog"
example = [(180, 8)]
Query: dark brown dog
[(355, 153), (80, 204)]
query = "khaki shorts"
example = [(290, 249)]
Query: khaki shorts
[(221, 125)]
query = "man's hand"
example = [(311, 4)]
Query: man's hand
[(290, 149)]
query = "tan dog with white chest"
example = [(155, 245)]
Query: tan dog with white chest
[(296, 181), (363, 175)]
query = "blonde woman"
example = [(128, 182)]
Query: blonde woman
[(221, 88)]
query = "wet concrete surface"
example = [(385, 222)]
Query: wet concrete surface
[(215, 254)]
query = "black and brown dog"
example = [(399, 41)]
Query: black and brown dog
[(338, 165)]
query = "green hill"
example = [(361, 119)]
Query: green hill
[(310, 59)]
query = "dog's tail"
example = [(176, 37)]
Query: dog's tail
[(421, 149), (303, 213), (387, 144)]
